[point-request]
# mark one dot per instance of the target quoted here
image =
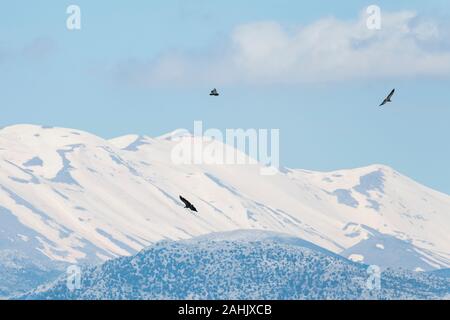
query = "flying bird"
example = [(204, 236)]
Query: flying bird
[(188, 205), (214, 93), (388, 98)]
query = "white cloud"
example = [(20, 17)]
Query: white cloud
[(326, 50)]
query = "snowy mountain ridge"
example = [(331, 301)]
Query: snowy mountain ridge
[(68, 195), (244, 264)]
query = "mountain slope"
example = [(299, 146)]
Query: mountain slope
[(240, 265), (19, 274), (73, 197)]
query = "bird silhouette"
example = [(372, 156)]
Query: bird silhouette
[(214, 93), (188, 205), (388, 98)]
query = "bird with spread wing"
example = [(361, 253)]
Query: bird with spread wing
[(388, 98), (214, 93), (188, 205)]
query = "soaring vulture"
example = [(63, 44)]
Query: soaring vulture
[(388, 98), (188, 205), (214, 92)]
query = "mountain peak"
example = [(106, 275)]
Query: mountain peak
[(178, 133), (380, 167), (24, 130)]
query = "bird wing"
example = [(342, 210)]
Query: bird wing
[(391, 94), (186, 203), (388, 98)]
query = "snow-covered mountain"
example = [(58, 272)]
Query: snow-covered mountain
[(70, 196), (19, 274), (244, 264)]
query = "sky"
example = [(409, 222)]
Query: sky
[(314, 71)]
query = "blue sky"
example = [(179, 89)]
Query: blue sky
[(120, 74)]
